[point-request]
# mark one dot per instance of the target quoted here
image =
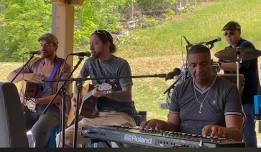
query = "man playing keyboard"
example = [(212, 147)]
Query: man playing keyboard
[(204, 104)]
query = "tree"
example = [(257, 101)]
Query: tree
[(154, 7), (98, 14), (22, 23)]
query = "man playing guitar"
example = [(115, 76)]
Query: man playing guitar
[(48, 67), (114, 107)]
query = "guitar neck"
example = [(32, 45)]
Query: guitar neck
[(89, 94)]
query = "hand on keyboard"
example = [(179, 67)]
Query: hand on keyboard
[(154, 124)]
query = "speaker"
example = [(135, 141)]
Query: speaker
[(12, 126)]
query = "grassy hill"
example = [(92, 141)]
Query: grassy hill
[(201, 25)]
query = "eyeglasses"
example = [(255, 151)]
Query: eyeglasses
[(229, 33)]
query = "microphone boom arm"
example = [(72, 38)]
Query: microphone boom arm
[(19, 72), (103, 78)]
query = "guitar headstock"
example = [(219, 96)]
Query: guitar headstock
[(104, 87)]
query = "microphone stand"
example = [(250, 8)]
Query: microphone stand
[(79, 87), (102, 78), (238, 61), (62, 92), (165, 105), (187, 49), (171, 86), (32, 56)]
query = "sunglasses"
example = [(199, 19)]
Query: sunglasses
[(229, 33), (102, 33)]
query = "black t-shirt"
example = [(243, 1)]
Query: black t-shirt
[(250, 71)]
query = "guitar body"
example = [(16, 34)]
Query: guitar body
[(30, 92), (31, 89), (87, 107)]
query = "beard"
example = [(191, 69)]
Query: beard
[(47, 54), (96, 54)]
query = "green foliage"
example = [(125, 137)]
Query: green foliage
[(154, 7), (169, 14), (21, 23), (150, 21), (98, 14)]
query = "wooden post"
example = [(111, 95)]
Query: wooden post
[(63, 28)]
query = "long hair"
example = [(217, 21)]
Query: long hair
[(105, 37)]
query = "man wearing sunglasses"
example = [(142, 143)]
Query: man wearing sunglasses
[(232, 33)]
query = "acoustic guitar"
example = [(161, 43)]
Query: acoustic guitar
[(28, 98), (88, 104)]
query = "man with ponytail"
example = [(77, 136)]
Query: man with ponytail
[(115, 108)]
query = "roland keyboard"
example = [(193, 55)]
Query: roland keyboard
[(159, 139)]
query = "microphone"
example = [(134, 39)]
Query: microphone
[(173, 73), (213, 41), (33, 52), (188, 43), (88, 54)]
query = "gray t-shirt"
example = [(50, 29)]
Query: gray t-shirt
[(115, 67), (220, 99)]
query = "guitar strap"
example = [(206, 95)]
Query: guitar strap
[(57, 65), (49, 85), (102, 73), (101, 70)]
